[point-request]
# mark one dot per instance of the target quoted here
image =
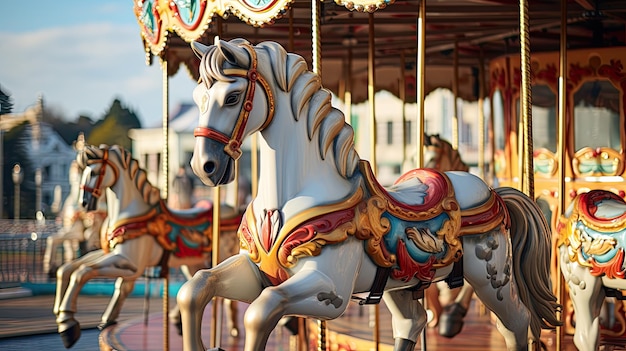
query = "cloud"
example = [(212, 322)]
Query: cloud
[(82, 68)]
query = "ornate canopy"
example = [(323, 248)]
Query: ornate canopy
[(460, 31)]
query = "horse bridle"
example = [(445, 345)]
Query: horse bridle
[(96, 191), (232, 143)]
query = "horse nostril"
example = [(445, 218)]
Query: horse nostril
[(209, 167)]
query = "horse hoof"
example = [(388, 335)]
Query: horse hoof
[(451, 320), (103, 326), (70, 335)]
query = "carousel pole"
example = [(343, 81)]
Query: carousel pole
[(492, 146), (560, 290), (455, 92), (528, 186), (371, 98), (215, 243), (347, 95), (164, 189), (317, 69), (402, 94), (421, 56), (481, 114)]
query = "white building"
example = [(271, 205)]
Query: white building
[(48, 154)]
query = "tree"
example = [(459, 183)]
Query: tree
[(6, 105), (16, 151), (113, 128)]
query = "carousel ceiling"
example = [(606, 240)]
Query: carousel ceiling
[(455, 30)]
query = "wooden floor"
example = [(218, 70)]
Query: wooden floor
[(350, 332)]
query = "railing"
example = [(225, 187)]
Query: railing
[(22, 246)]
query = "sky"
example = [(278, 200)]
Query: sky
[(80, 56)]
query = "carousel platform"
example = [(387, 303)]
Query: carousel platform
[(350, 332)]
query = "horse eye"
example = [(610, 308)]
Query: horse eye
[(232, 99)]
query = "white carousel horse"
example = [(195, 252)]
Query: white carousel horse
[(441, 155), (322, 229), (591, 242), (140, 232), (80, 228)]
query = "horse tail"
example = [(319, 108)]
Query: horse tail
[(530, 236)]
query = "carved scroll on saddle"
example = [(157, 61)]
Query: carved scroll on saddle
[(438, 201), (485, 217)]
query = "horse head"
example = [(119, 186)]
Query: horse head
[(98, 174), (441, 155), (112, 167), (236, 97)]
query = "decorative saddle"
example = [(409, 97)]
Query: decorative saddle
[(412, 228), (595, 233)]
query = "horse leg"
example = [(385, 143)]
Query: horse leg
[(318, 289), (451, 321), (50, 263), (587, 296), (65, 271), (109, 265), (236, 278), (123, 288), (431, 295), (231, 310), (408, 318), (487, 267)]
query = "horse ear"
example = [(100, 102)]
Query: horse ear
[(234, 54), (199, 49)]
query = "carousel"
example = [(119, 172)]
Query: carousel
[(332, 260)]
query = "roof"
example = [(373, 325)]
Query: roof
[(184, 118), (459, 31)]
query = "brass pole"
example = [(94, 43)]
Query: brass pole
[(291, 44), (402, 94), (371, 98), (421, 57), (215, 240), (166, 135), (165, 182), (347, 95), (254, 164), (455, 92), (481, 114), (371, 92), (560, 288), (421, 50), (317, 68), (528, 186), (166, 314), (492, 138), (317, 43)]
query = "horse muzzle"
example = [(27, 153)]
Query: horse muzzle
[(211, 164)]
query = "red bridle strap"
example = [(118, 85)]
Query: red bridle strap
[(232, 144), (96, 191)]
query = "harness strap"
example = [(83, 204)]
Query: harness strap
[(378, 287), (455, 278)]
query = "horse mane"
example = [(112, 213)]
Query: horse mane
[(124, 161), (289, 72), (445, 151)]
